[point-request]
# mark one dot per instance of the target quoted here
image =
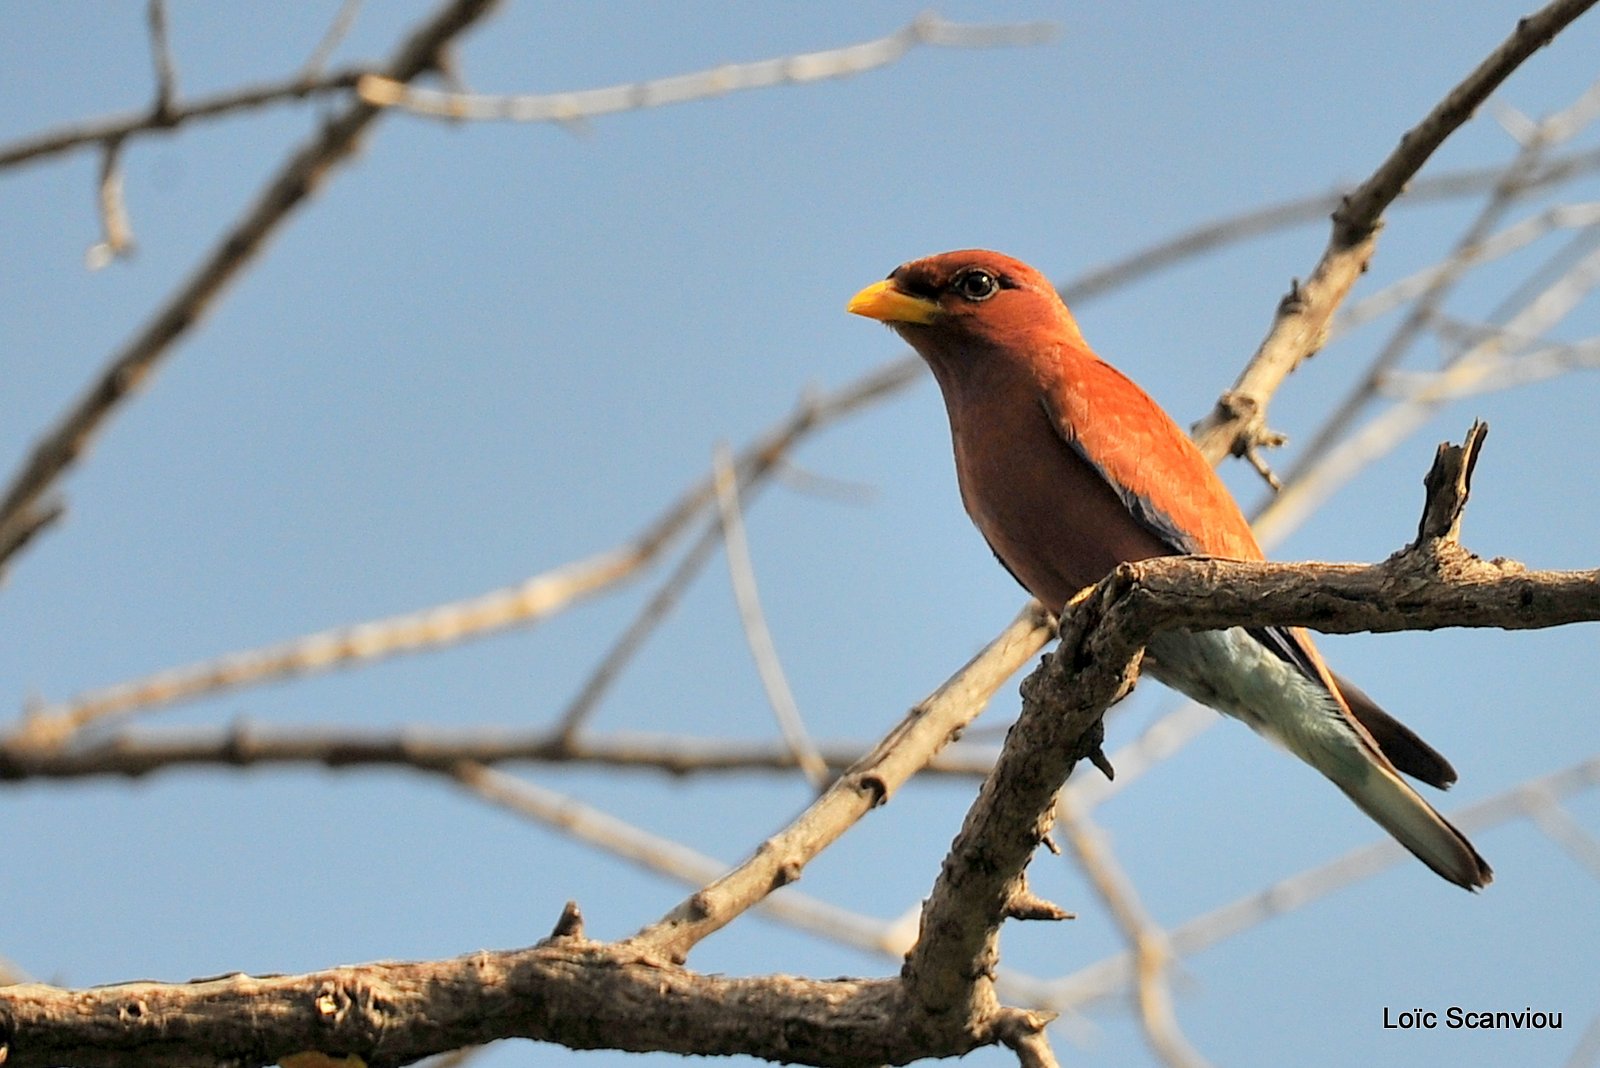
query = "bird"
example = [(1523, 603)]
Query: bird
[(1068, 468)]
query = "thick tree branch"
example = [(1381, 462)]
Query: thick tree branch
[(1237, 424), (629, 996), (568, 991)]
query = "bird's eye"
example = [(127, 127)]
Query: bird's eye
[(976, 284)]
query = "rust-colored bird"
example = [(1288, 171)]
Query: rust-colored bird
[(1068, 468)]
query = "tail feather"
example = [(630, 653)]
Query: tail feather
[(1380, 792), (1285, 691), (1399, 743)]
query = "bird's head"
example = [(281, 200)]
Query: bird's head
[(957, 308)]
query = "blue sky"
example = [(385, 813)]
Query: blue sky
[(485, 350)]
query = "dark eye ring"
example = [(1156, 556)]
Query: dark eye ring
[(976, 284)]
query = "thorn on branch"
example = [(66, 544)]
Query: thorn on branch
[(570, 923), (1024, 904), (1448, 484), (1024, 1032), (1294, 301), (1252, 456)]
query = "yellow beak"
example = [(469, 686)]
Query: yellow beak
[(887, 303)]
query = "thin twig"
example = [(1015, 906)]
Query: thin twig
[(869, 782), (1237, 424), (758, 636), (1468, 249), (1556, 266), (581, 106), (1558, 825), (1581, 217), (1314, 208), (1332, 469), (1545, 361), (161, 55), (520, 605), (653, 613), (116, 232), (337, 30), (54, 142), (1110, 975), (829, 487), (524, 604), (1154, 746), (133, 754), (664, 857), (1586, 1053), (300, 176), (1146, 939)]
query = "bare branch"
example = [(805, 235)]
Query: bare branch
[(161, 54), (1147, 941), (578, 107), (521, 605), (1359, 215), (1208, 929), (1308, 488), (868, 783), (1468, 250), (569, 991), (117, 233), (132, 124), (295, 181), (1238, 422), (667, 858), (336, 32), (134, 754), (632, 639), (1313, 208), (949, 970), (758, 636)]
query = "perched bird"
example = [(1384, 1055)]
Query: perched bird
[(1068, 469)]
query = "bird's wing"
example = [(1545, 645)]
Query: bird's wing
[(1169, 490), (1156, 471)]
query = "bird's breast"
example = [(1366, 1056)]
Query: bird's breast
[(1050, 516)]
